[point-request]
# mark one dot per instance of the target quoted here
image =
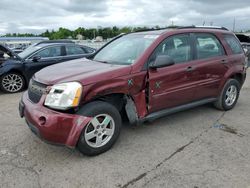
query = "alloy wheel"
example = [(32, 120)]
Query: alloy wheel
[(231, 95), (12, 83), (99, 130)]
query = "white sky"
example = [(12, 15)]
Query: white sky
[(36, 16)]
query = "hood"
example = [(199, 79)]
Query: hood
[(9, 52), (81, 70)]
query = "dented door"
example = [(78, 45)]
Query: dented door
[(173, 85)]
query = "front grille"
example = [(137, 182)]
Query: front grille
[(36, 90)]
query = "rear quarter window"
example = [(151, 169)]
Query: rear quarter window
[(234, 44)]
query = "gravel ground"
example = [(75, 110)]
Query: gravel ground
[(198, 148)]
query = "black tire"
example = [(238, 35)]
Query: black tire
[(16, 87), (94, 109), (221, 103)]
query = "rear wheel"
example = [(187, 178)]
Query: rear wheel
[(229, 95), (102, 131), (12, 82)]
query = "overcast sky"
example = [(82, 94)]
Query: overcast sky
[(37, 16)]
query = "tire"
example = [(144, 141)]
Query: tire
[(99, 136), (12, 82), (227, 101)]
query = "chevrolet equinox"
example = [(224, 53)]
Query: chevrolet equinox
[(143, 76)]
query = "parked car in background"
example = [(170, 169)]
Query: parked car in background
[(141, 76), (245, 42), (17, 69), (18, 49)]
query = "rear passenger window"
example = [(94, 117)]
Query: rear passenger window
[(74, 50), (207, 46), (177, 47), (234, 44)]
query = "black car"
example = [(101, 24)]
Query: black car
[(17, 69), (245, 42)]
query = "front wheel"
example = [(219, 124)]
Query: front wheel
[(12, 83), (229, 95), (102, 131)]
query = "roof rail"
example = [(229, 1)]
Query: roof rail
[(54, 41), (147, 29), (154, 29), (204, 27)]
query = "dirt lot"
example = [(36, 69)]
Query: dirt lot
[(198, 148)]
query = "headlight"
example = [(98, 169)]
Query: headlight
[(64, 96)]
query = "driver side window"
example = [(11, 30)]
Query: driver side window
[(54, 51), (177, 47)]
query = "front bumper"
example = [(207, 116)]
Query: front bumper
[(52, 126)]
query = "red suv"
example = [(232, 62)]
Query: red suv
[(143, 75)]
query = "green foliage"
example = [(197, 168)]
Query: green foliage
[(20, 35), (90, 33)]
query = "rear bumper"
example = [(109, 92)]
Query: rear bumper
[(52, 126)]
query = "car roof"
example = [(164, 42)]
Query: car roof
[(54, 43), (153, 31), (42, 45), (186, 28)]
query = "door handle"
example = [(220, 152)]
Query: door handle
[(190, 69), (224, 61)]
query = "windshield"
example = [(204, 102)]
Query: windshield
[(28, 51), (125, 50)]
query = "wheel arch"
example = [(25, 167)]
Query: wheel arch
[(239, 77), (231, 74), (124, 103)]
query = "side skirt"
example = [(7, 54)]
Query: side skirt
[(168, 111)]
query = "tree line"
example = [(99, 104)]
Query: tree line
[(86, 33)]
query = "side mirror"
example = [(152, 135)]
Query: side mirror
[(162, 61), (36, 58)]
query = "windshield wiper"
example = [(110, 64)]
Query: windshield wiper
[(113, 63), (102, 61)]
